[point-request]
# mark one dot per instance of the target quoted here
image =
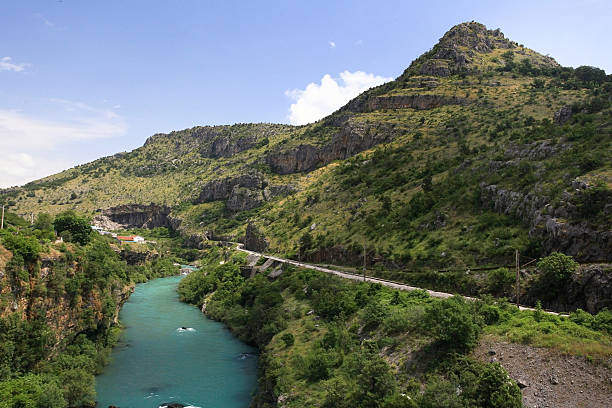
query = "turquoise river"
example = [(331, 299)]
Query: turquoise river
[(156, 361)]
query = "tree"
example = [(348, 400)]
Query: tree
[(305, 242), (78, 387), (375, 383), (555, 271), (590, 74), (452, 322), (78, 227), (44, 222)]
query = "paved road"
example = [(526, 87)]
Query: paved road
[(345, 275)]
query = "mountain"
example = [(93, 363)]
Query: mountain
[(480, 147)]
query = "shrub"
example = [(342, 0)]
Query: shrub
[(23, 246), (374, 314), (375, 382), (315, 366), (555, 271), (288, 339), (452, 322)]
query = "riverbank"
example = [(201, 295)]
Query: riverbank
[(330, 342)]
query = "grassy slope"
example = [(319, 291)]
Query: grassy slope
[(454, 144)]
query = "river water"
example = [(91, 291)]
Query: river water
[(156, 361)]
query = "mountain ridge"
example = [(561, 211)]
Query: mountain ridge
[(477, 115)]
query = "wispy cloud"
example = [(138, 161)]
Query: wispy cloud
[(6, 64), (45, 20), (318, 100), (27, 141), (332, 44)]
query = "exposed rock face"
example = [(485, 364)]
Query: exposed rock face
[(243, 199), (243, 192), (135, 216), (63, 317), (589, 288), (254, 240), (137, 257), (457, 49), (352, 138), (460, 51), (218, 141), (563, 115), (419, 102), (578, 240), (222, 189), (535, 150)]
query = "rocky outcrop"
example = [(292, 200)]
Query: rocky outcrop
[(135, 216), (460, 51), (563, 115), (352, 138), (137, 257), (419, 102), (534, 151), (524, 207), (589, 288), (254, 240), (218, 141), (222, 189), (576, 239), (243, 192), (457, 49), (243, 199)]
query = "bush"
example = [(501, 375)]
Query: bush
[(288, 339), (374, 314), (453, 323), (375, 382), (78, 227), (23, 246), (555, 271)]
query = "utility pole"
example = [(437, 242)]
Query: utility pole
[(364, 259), (516, 256), (31, 218), (2, 226)]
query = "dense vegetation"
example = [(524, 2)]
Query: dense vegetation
[(334, 343), (58, 305)]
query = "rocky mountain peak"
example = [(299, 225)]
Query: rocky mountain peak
[(474, 37), (471, 48)]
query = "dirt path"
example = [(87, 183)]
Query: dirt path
[(551, 379)]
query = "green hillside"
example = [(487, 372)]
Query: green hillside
[(480, 147)]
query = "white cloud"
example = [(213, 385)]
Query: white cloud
[(332, 44), (7, 65), (319, 100), (27, 142), (45, 20)]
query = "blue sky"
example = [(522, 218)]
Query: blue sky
[(84, 79)]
